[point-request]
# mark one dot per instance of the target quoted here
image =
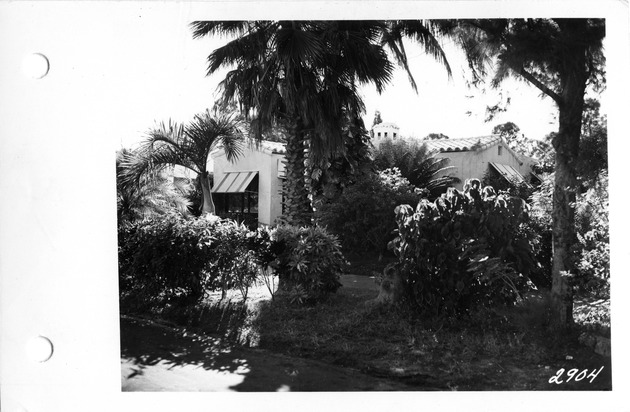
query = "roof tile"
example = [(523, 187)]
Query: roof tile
[(463, 145)]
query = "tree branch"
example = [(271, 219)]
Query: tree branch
[(540, 85)]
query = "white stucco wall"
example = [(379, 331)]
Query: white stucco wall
[(269, 185), (474, 164), (391, 129)]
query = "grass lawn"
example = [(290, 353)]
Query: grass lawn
[(508, 349), (488, 351)]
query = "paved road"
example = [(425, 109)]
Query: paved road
[(160, 358)]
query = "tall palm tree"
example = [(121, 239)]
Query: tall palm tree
[(172, 144), (560, 57), (305, 75)]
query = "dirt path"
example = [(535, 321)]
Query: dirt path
[(160, 358)]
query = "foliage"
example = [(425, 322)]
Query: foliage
[(539, 223), (560, 57), (493, 349), (592, 251), (307, 74), (153, 197), (377, 119), (308, 262), (188, 146), (416, 164), (593, 157), (592, 227), (328, 177), (362, 216), (435, 136), (463, 251), (500, 184), (172, 258), (521, 144)]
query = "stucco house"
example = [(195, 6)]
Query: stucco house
[(472, 157), (250, 189)]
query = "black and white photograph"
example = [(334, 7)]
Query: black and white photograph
[(370, 204)]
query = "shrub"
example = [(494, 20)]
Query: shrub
[(173, 258), (592, 250), (363, 215), (308, 261), (591, 216), (464, 250), (539, 224)]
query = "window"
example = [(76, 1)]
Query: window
[(242, 206), (394, 135), (385, 134), (379, 134), (500, 149)]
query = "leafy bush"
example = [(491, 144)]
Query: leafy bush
[(308, 261), (363, 215), (173, 258), (464, 250)]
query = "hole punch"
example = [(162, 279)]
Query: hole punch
[(39, 349), (35, 65)]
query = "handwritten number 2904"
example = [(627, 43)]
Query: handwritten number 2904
[(574, 374)]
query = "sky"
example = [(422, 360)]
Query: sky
[(168, 80)]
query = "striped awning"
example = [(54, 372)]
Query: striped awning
[(509, 173), (234, 182)]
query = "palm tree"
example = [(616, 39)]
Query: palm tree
[(304, 75), (189, 146), (416, 163), (560, 57), (153, 197)]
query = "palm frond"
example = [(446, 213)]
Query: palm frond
[(211, 28), (162, 148), (208, 130)]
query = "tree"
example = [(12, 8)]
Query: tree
[(518, 142), (508, 131), (305, 75), (560, 57), (189, 146), (377, 118), (593, 157), (329, 177), (435, 136), (152, 197)]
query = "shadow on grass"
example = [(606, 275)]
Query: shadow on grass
[(159, 358), (312, 348)]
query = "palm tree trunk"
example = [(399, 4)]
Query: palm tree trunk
[(208, 204), (298, 209)]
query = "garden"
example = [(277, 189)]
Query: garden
[(378, 264)]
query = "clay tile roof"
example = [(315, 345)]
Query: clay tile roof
[(463, 145)]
